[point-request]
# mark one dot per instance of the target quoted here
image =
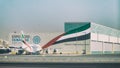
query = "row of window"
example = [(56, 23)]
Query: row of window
[(19, 39)]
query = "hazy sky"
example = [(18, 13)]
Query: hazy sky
[(50, 15)]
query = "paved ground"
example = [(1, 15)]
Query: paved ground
[(60, 65), (60, 59)]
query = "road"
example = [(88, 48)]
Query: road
[(60, 59), (57, 61), (59, 65)]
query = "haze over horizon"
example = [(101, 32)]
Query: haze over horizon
[(50, 15)]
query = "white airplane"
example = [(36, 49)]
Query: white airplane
[(30, 48)]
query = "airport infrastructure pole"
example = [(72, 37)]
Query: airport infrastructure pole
[(76, 44), (85, 42)]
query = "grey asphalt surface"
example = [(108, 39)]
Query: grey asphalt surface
[(60, 59), (59, 65)]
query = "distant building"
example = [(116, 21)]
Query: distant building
[(3, 43), (77, 38)]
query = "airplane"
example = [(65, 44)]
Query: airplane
[(30, 48), (37, 49)]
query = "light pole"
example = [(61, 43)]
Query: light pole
[(76, 45), (85, 42), (84, 52)]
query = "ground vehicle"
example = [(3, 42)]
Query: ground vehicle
[(16, 50), (4, 50)]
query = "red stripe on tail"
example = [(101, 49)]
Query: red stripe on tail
[(52, 41)]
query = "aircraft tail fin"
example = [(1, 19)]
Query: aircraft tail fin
[(22, 36)]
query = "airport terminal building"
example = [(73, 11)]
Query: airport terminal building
[(77, 38)]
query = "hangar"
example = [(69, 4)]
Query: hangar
[(88, 38), (77, 38)]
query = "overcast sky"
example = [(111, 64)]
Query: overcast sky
[(50, 15)]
